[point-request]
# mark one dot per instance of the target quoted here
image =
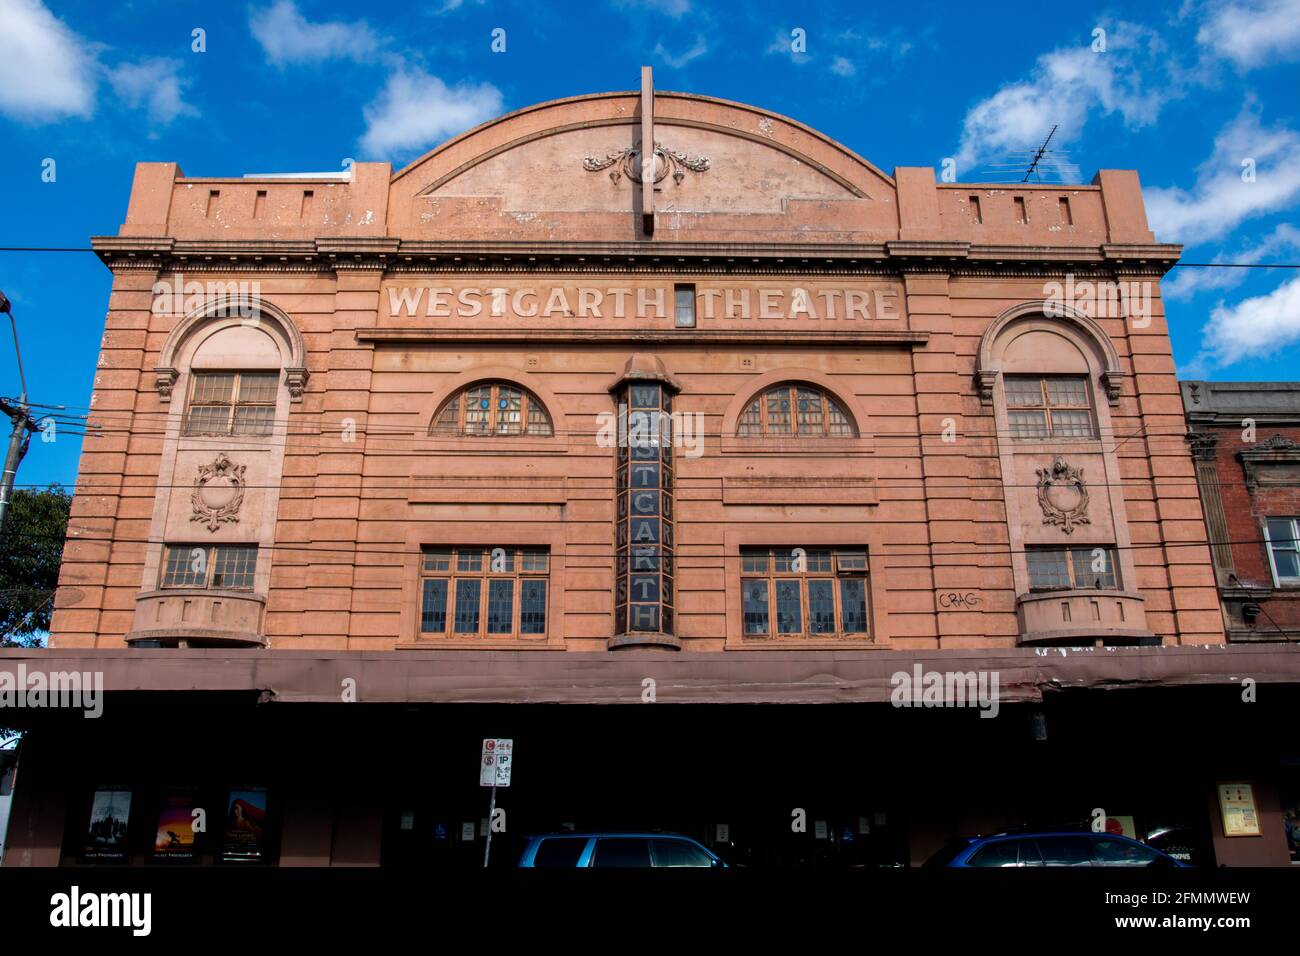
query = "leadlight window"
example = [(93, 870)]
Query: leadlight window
[(1052, 569), (804, 592), (1283, 549), (218, 566), (643, 529), (493, 409), (232, 403), (482, 592), (684, 306), (794, 409), (1049, 406)]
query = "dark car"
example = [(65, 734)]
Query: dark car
[(617, 849), (1050, 848)]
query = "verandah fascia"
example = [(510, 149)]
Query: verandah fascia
[(651, 302)]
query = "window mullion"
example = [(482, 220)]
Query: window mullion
[(806, 606), (484, 599), (838, 611), (773, 616), (234, 403)]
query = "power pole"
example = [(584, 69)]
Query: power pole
[(23, 423)]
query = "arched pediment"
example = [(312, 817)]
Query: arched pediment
[(188, 336), (1085, 340), (721, 168)]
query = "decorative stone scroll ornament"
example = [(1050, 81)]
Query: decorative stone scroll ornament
[(165, 378), (1273, 461), (218, 493), (627, 162), (1062, 495), (1204, 445), (1277, 443), (296, 379)]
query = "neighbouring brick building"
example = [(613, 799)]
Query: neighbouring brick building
[(1245, 439), (504, 428)]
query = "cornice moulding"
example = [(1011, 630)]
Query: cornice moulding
[(387, 253), (688, 337)]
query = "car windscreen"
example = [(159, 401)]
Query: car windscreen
[(947, 853), (559, 851), (679, 853)]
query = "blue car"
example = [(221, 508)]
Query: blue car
[(1050, 848), (617, 849)]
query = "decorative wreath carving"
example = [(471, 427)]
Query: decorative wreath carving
[(1055, 511), (222, 473), (627, 162)]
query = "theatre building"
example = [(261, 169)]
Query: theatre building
[(675, 442)]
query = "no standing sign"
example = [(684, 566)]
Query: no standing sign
[(494, 767)]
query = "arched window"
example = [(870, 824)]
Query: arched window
[(493, 408), (792, 408), (234, 382)]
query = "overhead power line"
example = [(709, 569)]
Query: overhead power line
[(938, 549)]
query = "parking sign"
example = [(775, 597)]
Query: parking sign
[(496, 762)]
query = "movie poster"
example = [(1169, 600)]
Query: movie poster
[(1291, 821), (110, 812), (245, 825), (174, 839)]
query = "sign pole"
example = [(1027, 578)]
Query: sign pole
[(492, 808)]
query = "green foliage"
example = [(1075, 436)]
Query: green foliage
[(31, 549)]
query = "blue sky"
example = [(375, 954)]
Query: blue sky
[(1185, 92)]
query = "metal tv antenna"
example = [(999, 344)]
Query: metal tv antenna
[(1038, 155)]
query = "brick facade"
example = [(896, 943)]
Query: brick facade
[(1246, 438), (351, 485)]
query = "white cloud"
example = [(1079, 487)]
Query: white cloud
[(678, 61), (153, 82), (1063, 89), (287, 37), (450, 6), (842, 66), (1254, 33), (415, 111), (671, 8), (1188, 282), (1253, 328), (1220, 200), (47, 72), (783, 44)]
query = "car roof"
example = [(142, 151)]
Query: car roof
[(1023, 834), (634, 834)]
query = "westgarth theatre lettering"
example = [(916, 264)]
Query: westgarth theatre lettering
[(652, 302)]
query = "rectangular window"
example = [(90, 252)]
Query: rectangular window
[(232, 403), (1054, 569), (1066, 217), (493, 592), (975, 209), (804, 592), (684, 300), (220, 566), (1022, 214), (1283, 549), (1049, 406)]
